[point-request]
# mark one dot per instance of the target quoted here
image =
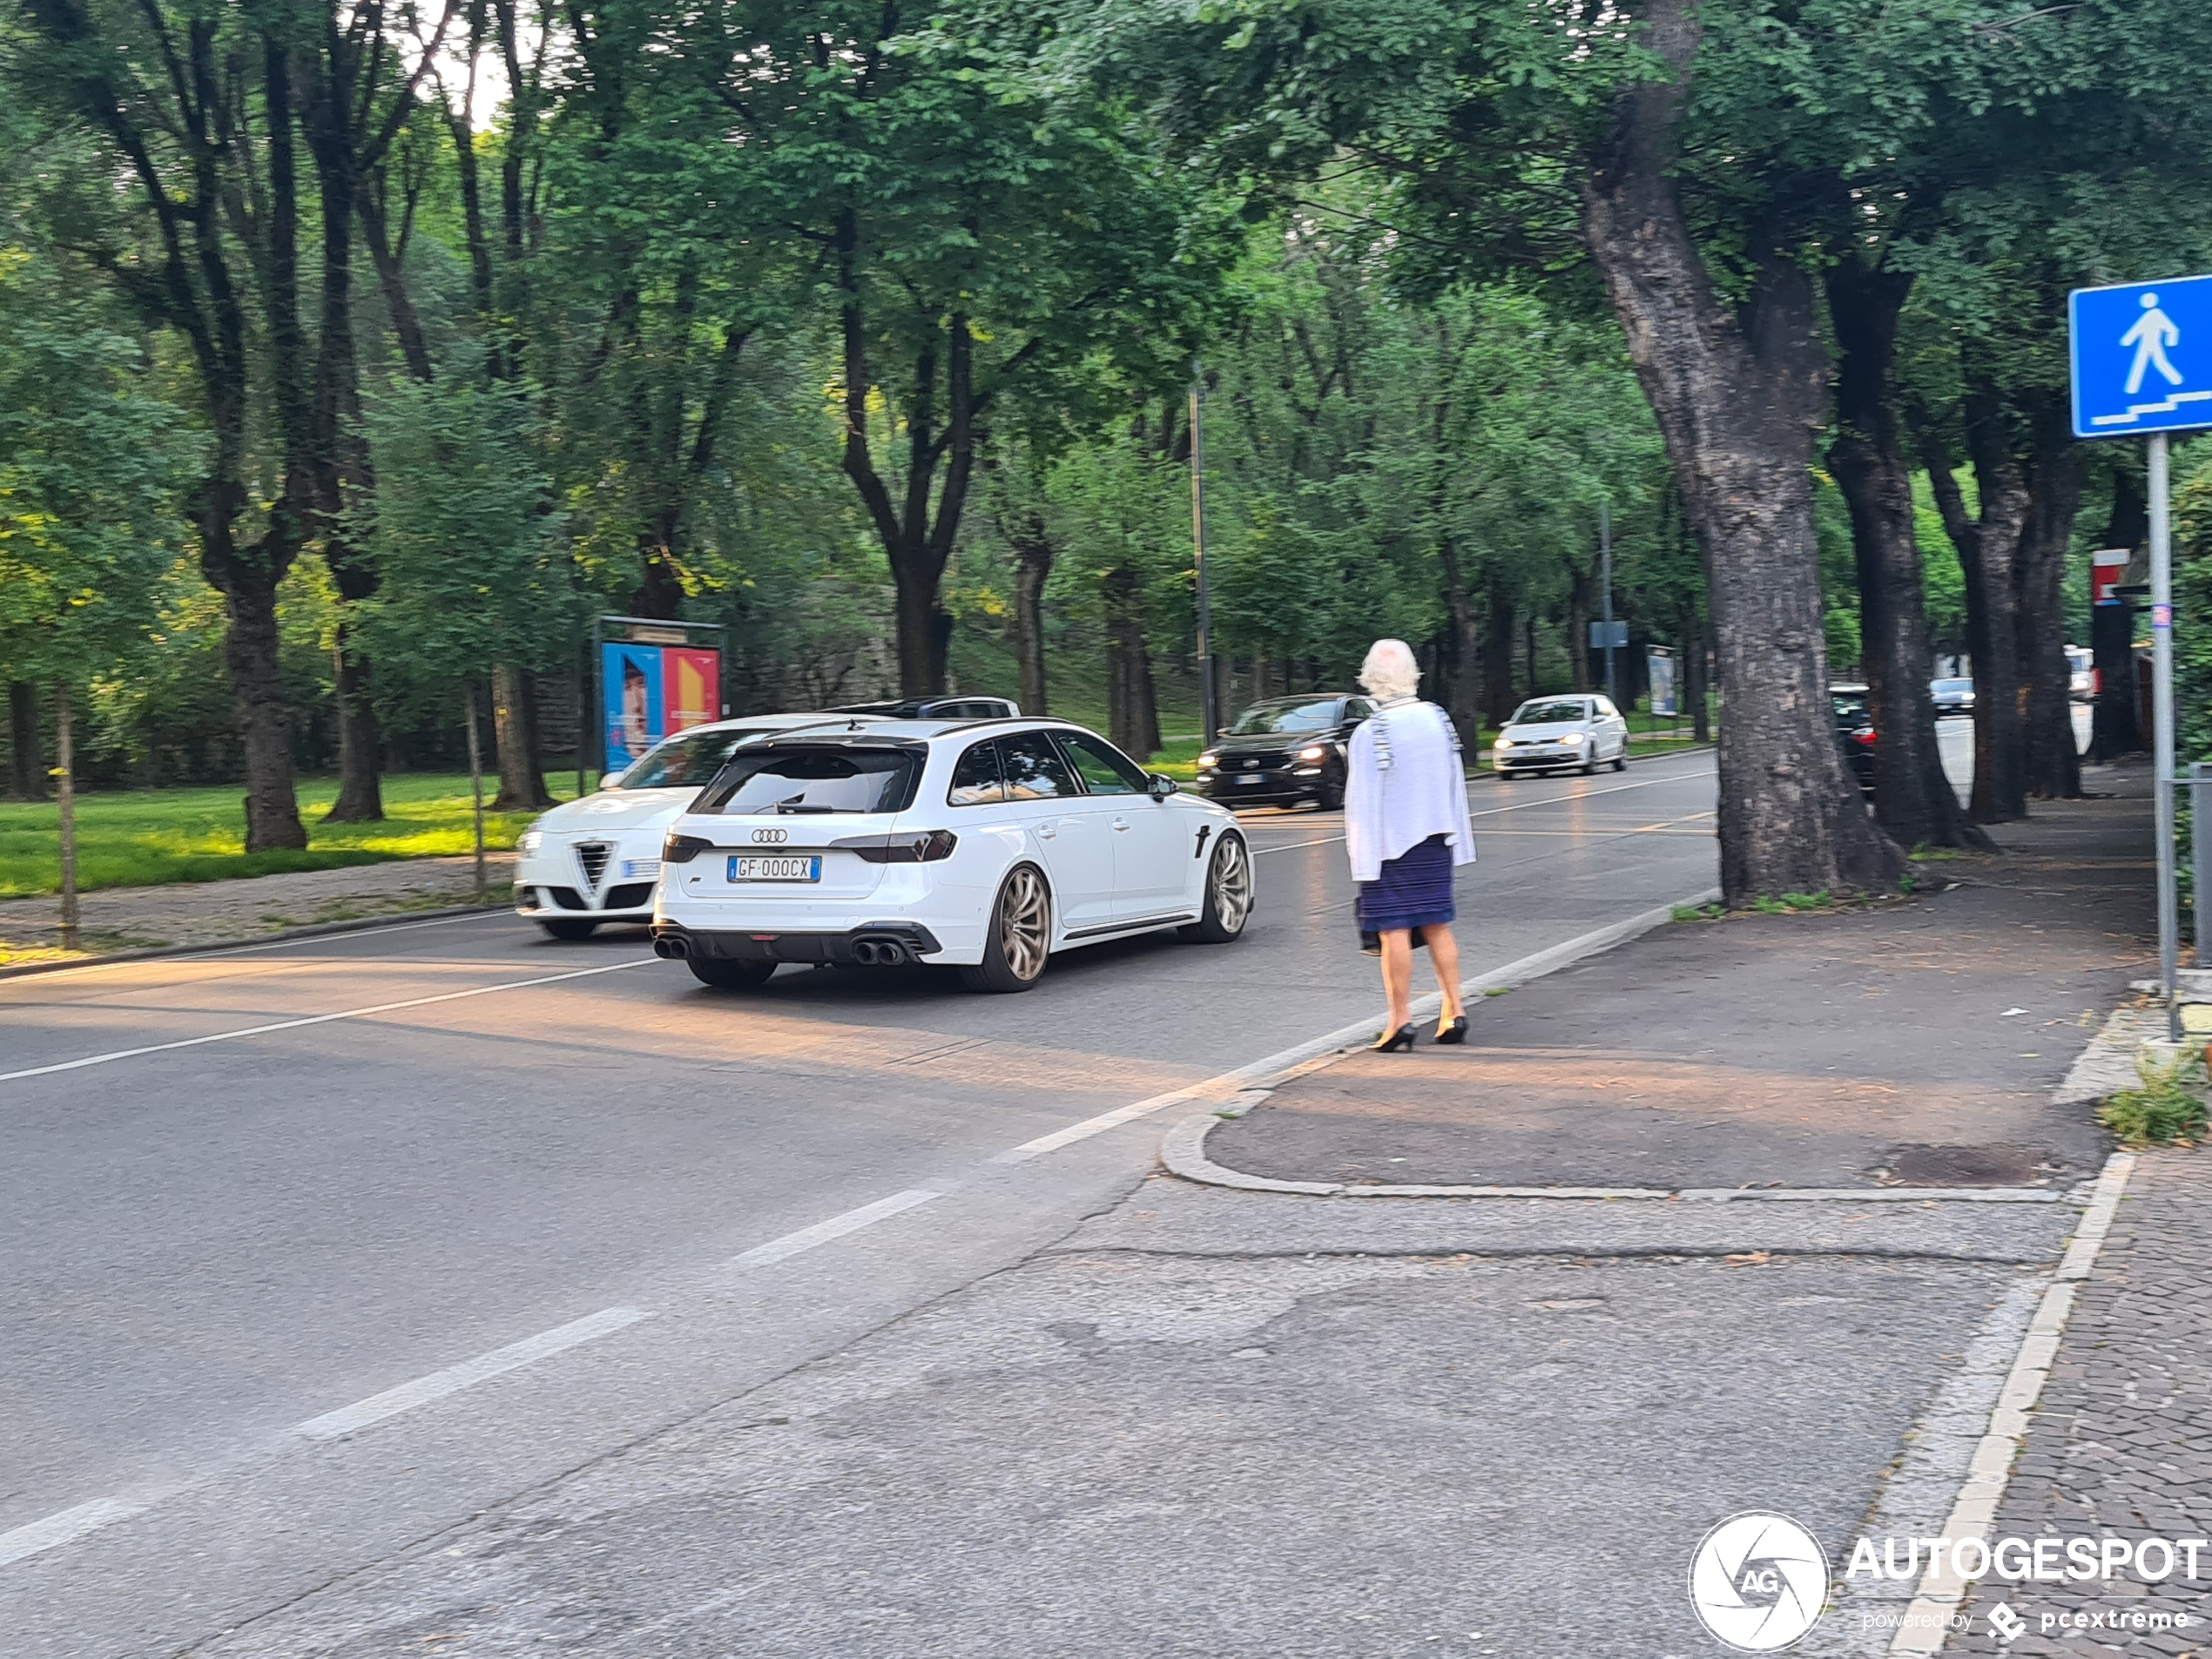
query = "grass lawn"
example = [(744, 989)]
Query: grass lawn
[(143, 836)]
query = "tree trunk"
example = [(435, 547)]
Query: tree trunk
[(2112, 629), (1132, 711), (1737, 402), (257, 681), (477, 790), (1694, 690), (1498, 701), (1470, 663), (1578, 628), (2052, 760), (1033, 556), (65, 794), (1528, 656), (1989, 550), (521, 786), (1914, 799), (27, 750), (361, 791)]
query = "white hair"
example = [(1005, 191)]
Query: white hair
[(1390, 670)]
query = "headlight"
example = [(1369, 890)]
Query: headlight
[(1208, 760), (1572, 740), (532, 840), (1312, 752), (1504, 742)]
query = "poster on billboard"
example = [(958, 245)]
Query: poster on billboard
[(1659, 664), (648, 692)]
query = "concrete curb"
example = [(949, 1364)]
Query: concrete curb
[(1182, 1150), (365, 924), (1925, 1628)]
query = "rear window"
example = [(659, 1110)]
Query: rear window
[(796, 780)]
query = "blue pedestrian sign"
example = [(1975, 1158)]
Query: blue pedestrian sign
[(2142, 357)]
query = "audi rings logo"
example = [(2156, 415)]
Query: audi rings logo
[(772, 836), (1758, 1582)]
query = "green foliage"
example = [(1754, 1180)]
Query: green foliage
[(141, 838), (2164, 1110)]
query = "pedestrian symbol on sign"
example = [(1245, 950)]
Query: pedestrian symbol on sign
[(2152, 333)]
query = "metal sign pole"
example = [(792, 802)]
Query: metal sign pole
[(1209, 718), (2162, 626)]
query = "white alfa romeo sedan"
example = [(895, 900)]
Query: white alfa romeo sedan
[(593, 861), (987, 845)]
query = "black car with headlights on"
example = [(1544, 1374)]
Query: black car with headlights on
[(1283, 751)]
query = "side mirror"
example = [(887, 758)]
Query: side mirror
[(1221, 732), (1160, 786), (612, 779)]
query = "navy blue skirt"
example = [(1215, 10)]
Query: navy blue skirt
[(1414, 889)]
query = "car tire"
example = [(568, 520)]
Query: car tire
[(1329, 797), (1621, 760), (1589, 766), (569, 930), (724, 974), (1019, 940), (1228, 904)]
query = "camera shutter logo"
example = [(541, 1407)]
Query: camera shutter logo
[(1758, 1582), (771, 836)]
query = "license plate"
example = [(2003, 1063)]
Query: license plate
[(1249, 777), (633, 868), (775, 869)]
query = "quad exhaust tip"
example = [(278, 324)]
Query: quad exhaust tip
[(671, 950), (879, 953)]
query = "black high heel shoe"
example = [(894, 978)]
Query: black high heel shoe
[(1401, 1038), (1455, 1033)]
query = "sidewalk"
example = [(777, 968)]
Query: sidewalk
[(217, 912), (2122, 1442), (1275, 1426), (1912, 1044)]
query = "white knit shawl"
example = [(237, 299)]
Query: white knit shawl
[(1405, 783)]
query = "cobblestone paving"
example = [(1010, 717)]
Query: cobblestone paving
[(2123, 1442)]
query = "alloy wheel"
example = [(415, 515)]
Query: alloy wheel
[(1025, 924), (1232, 884)]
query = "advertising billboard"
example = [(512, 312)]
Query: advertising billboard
[(648, 691)]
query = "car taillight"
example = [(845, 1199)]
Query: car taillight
[(1865, 739), (906, 847), (682, 849)]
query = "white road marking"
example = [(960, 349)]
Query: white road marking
[(318, 1019), (791, 1245), (358, 1415), (67, 1525)]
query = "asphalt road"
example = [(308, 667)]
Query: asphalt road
[(560, 1197)]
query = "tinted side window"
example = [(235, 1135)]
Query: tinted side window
[(1357, 708), (1034, 767), (977, 781), (1104, 769)]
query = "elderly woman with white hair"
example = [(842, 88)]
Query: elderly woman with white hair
[(1406, 829)]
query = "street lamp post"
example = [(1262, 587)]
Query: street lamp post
[(1209, 715), (1605, 559)]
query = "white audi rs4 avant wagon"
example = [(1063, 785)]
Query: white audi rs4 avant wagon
[(983, 844)]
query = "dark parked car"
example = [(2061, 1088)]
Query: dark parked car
[(1283, 751), (937, 708), (1855, 730), (1952, 697)]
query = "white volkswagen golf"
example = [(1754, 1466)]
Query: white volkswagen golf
[(593, 861), (984, 844)]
